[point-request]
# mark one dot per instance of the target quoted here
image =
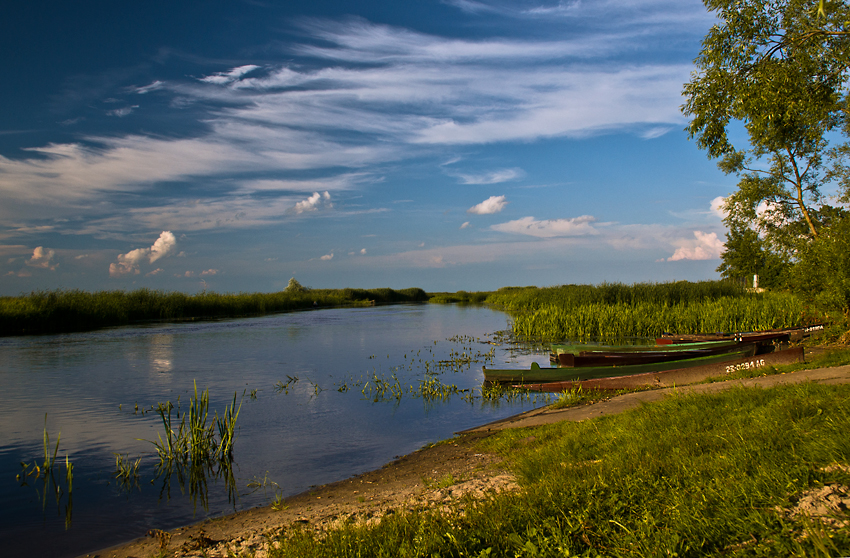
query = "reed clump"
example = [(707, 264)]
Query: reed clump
[(645, 310), (193, 441), (193, 448), (75, 310), (49, 473)]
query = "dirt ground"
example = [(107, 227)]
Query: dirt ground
[(433, 476), (438, 475)]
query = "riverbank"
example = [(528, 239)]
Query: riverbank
[(455, 473), (65, 311)]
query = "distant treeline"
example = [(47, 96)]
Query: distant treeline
[(74, 310), (609, 310)]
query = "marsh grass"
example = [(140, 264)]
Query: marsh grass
[(459, 297), (616, 311), (49, 473), (265, 484), (127, 472), (74, 310), (189, 451), (693, 475)]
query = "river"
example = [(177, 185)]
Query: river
[(307, 382)]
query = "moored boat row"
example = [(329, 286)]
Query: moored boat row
[(669, 378), (580, 363), (552, 374)]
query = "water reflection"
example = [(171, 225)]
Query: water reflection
[(161, 353), (306, 419), (193, 478)]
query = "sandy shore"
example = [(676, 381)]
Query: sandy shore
[(412, 481)]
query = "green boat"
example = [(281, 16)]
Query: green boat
[(536, 374), (577, 349)]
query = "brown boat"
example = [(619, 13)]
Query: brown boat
[(667, 378), (613, 358), (774, 335)]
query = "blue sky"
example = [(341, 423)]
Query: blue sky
[(448, 145)]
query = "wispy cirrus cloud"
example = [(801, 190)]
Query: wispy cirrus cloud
[(372, 94), (226, 78), (549, 228), (625, 13), (493, 177), (145, 89), (122, 112)]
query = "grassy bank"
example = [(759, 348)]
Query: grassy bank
[(73, 310), (693, 475), (645, 310)]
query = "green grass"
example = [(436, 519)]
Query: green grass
[(615, 311), (74, 310), (692, 475), (460, 297)]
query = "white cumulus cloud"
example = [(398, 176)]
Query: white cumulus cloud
[(164, 245), (314, 202), (42, 258), (327, 257), (493, 204), (705, 246), (717, 206), (129, 263)]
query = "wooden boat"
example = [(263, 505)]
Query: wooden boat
[(777, 335), (667, 378), (563, 354), (580, 348), (614, 358), (537, 374)]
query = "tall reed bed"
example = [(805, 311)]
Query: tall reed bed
[(74, 310), (644, 310)]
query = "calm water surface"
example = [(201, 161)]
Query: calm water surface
[(88, 385)]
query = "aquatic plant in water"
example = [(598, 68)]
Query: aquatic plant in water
[(50, 476), (190, 451)]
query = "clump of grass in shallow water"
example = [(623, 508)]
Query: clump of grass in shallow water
[(190, 451), (194, 441), (49, 475)]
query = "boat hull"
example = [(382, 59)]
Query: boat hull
[(613, 358), (779, 335), (665, 346), (536, 374), (668, 378)]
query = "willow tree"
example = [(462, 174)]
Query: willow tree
[(768, 95)]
